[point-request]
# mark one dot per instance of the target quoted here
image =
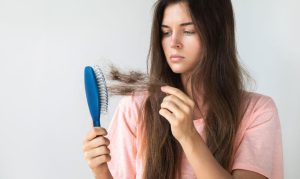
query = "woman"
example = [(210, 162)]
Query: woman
[(202, 123)]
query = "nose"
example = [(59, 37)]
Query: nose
[(176, 41)]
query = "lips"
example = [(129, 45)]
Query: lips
[(176, 58)]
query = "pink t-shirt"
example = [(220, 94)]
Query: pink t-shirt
[(258, 145)]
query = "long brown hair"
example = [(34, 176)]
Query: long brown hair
[(218, 74)]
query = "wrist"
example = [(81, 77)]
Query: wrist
[(190, 139), (102, 172)]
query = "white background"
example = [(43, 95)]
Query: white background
[(44, 46)]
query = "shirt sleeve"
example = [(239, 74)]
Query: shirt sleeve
[(260, 150), (122, 136)]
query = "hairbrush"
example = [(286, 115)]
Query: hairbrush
[(96, 93)]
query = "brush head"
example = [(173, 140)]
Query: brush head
[(96, 93)]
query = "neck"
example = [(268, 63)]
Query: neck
[(186, 81), (200, 109)]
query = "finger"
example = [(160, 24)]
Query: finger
[(178, 93), (172, 107), (167, 115), (181, 104), (103, 150), (94, 132), (95, 162), (96, 142)]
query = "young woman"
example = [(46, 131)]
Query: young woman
[(202, 123)]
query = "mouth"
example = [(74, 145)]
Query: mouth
[(176, 58)]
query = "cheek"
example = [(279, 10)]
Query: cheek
[(196, 49), (195, 53), (198, 52), (165, 47)]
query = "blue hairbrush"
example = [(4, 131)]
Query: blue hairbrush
[(96, 93)]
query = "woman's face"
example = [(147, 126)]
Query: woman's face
[(180, 41)]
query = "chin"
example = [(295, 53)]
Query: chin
[(179, 71)]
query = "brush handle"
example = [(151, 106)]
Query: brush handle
[(92, 95)]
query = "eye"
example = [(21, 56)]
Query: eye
[(189, 32), (165, 34)]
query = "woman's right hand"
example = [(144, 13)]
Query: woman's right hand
[(96, 152)]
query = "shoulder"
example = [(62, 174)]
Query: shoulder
[(258, 145), (260, 101), (127, 114), (131, 106), (259, 109), (133, 101)]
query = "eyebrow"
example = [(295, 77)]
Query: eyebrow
[(182, 24)]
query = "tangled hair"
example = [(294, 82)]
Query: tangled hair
[(219, 74), (127, 83)]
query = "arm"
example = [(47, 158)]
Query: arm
[(205, 165), (103, 173), (122, 133), (177, 108)]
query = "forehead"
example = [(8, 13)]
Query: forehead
[(176, 13)]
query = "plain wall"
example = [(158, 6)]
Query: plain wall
[(45, 45)]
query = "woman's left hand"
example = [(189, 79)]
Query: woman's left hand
[(178, 109)]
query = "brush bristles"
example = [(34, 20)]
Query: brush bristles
[(103, 93)]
